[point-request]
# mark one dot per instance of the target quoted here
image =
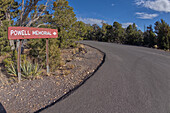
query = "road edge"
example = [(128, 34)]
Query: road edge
[(79, 85)]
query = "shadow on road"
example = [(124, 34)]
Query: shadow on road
[(2, 109)]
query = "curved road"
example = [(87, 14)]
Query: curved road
[(132, 80)]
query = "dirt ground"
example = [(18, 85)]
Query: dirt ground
[(31, 95)]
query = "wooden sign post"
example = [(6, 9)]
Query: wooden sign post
[(47, 57), (19, 60), (19, 33)]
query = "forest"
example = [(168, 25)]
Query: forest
[(159, 37), (57, 14)]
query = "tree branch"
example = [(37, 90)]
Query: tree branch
[(22, 12), (41, 25), (35, 19), (30, 7)]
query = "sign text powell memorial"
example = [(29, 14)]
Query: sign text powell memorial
[(15, 33)]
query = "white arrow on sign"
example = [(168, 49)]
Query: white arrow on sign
[(54, 33)]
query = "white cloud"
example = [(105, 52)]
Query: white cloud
[(91, 20), (143, 15), (113, 4), (139, 2), (125, 25), (157, 5)]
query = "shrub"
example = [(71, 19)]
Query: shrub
[(38, 51), (12, 70), (54, 55), (11, 59), (29, 70)]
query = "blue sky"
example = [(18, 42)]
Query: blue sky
[(141, 12)]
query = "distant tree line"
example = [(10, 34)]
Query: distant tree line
[(158, 37)]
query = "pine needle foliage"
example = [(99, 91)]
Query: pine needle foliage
[(4, 42)]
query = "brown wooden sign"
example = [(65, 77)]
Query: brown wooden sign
[(19, 33), (15, 33)]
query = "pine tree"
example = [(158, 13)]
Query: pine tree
[(4, 42), (96, 33), (88, 34), (8, 11), (104, 31), (63, 19), (149, 37), (109, 33), (129, 35), (162, 29), (134, 36), (79, 30), (118, 33)]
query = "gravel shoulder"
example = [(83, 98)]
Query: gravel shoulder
[(32, 95)]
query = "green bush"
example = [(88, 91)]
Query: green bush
[(11, 58), (29, 70), (12, 70), (38, 51), (54, 55)]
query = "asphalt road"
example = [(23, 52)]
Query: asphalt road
[(132, 80)]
